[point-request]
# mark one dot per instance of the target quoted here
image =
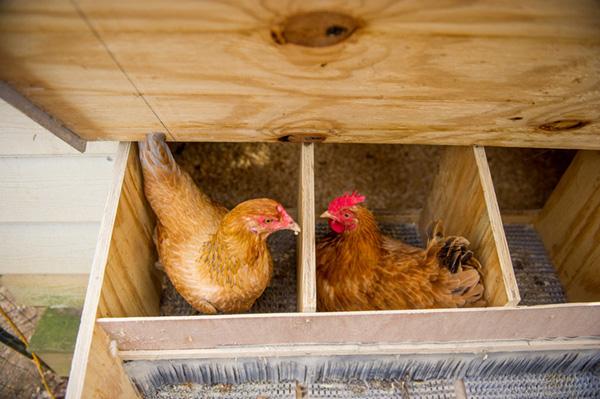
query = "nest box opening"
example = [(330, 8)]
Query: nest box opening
[(315, 29)]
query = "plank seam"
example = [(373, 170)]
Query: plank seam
[(118, 64)]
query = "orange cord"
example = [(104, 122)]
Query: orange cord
[(36, 359)]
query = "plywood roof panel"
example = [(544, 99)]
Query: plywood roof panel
[(452, 72), (50, 55)]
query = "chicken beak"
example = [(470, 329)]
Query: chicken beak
[(294, 227), (327, 215)]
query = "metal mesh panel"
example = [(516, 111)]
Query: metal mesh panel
[(536, 277), (583, 385)]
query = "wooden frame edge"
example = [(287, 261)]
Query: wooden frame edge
[(92, 296), (53, 125), (387, 327), (425, 348), (489, 193)]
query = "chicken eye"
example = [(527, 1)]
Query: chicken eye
[(346, 215), (268, 220)]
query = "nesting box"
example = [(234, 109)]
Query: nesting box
[(309, 74)]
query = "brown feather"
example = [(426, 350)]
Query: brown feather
[(210, 255), (362, 269)]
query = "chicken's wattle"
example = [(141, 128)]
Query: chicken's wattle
[(336, 226)]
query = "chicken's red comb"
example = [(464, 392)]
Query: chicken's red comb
[(345, 201)]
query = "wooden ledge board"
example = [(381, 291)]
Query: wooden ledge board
[(425, 348), (388, 327)]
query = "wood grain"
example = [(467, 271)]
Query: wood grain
[(517, 347), (306, 272), (569, 225), (105, 378), (463, 198), (52, 57), (131, 286), (91, 357), (483, 72), (389, 327)]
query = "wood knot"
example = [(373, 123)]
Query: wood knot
[(563, 124), (302, 138), (315, 29)]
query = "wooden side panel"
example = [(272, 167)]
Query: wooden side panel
[(390, 327), (463, 198), (105, 377), (131, 285), (569, 225), (91, 358), (306, 272)]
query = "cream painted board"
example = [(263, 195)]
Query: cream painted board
[(48, 189), (47, 248)]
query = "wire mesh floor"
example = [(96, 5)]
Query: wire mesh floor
[(280, 296), (536, 276)]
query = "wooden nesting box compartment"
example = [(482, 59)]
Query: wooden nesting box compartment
[(568, 225), (462, 74), (121, 321)]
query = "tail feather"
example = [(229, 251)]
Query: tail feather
[(454, 254), (171, 192), (156, 156)]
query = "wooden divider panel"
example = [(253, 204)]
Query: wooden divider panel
[(569, 225), (306, 271), (463, 198), (131, 285)]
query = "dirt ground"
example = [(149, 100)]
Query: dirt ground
[(393, 177), (18, 375)]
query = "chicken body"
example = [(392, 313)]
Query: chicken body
[(358, 268), (218, 260)]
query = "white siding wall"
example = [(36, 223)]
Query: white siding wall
[(51, 198)]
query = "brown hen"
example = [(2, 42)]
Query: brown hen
[(217, 260), (358, 268)]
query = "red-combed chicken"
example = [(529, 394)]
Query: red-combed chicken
[(217, 260), (358, 268)]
